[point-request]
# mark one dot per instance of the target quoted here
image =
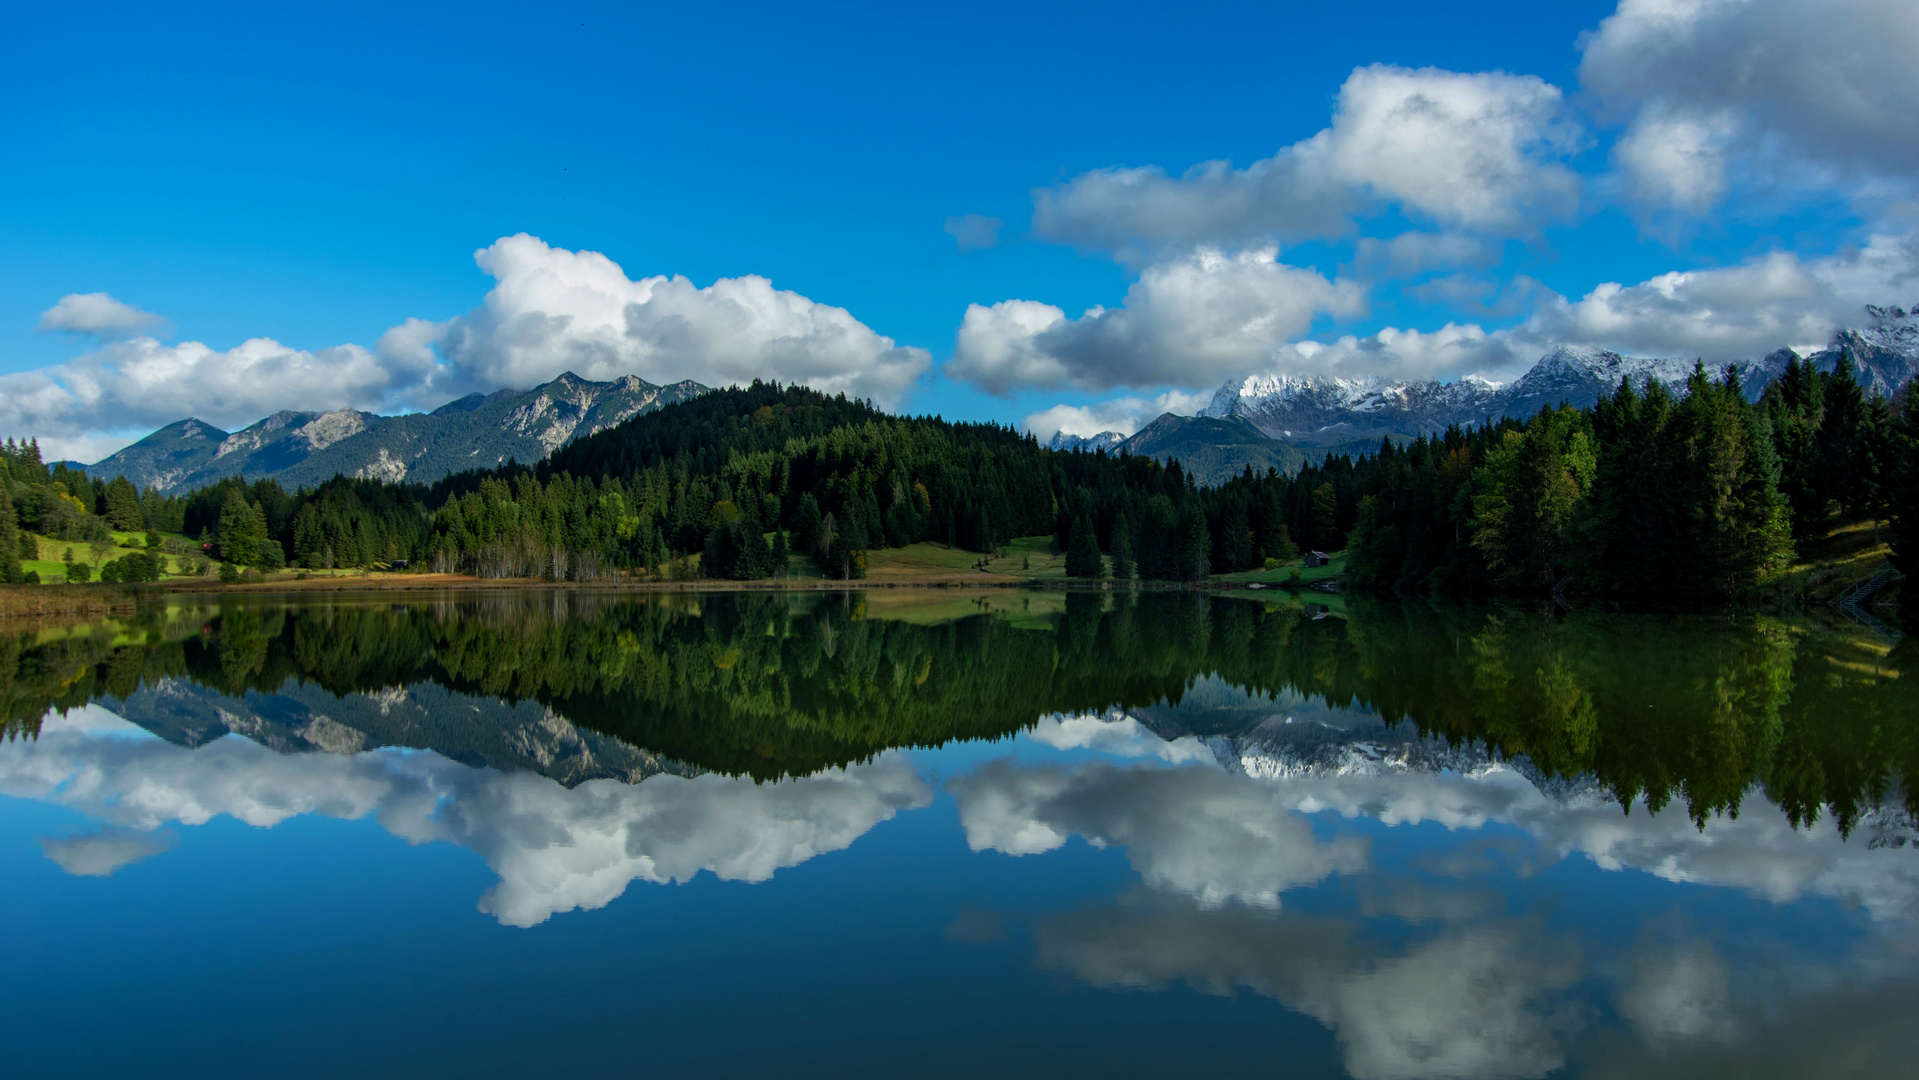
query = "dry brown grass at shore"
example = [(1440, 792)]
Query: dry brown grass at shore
[(39, 601)]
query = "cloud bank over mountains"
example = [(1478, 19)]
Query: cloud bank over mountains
[(551, 310)]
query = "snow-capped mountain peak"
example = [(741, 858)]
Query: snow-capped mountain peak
[(1312, 409), (1105, 440)]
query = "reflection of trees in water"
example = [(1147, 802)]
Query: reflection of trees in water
[(1699, 708)]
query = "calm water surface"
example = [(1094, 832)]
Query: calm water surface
[(950, 834)]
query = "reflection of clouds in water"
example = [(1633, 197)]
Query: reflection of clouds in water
[(1195, 831), (1678, 993), (1472, 997), (555, 849), (1484, 1001), (1119, 736), (1759, 851), (1475, 1003), (99, 854), (1857, 1030)]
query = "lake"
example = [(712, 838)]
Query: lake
[(926, 832)]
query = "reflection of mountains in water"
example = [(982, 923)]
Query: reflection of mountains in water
[(476, 731), (1703, 710), (1289, 736)]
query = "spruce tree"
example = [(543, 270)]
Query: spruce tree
[(780, 556), (10, 534), (1122, 549), (1082, 552), (1795, 404), (1236, 548), (1283, 547), (1734, 529), (806, 525), (1879, 464), (309, 538), (1195, 543), (1625, 539), (241, 530), (1531, 491), (1325, 520), (1159, 540), (1840, 443), (1903, 506), (123, 505)]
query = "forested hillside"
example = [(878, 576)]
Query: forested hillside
[(64, 505), (832, 477), (1680, 494)]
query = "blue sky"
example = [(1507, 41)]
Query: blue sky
[(317, 177)]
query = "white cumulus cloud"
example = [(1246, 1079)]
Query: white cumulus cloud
[(97, 315), (1478, 150), (1189, 321), (1706, 84), (554, 310), (1122, 414)]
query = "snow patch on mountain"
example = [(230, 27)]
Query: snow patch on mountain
[(1308, 409), (1105, 440)]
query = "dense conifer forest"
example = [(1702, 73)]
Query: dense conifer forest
[(1688, 493)]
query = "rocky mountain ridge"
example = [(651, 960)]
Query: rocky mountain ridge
[(482, 732), (309, 448), (1321, 413)]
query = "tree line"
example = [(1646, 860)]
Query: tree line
[(1692, 493), (259, 525)]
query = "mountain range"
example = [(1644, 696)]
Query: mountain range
[(1275, 419), (309, 448), (301, 717)]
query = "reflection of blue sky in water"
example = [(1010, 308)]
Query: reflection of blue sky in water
[(1440, 919)]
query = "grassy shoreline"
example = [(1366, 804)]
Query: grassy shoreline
[(1023, 563)]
